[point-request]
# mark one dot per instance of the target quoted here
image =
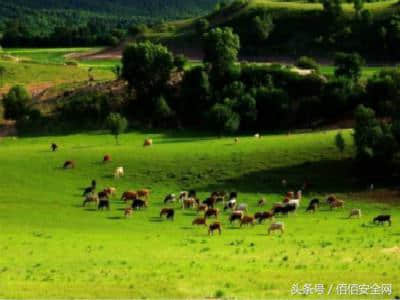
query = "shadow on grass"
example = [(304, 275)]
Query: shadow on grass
[(155, 219), (116, 218)]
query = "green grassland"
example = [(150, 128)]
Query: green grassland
[(52, 247)]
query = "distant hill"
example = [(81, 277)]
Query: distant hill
[(120, 8)]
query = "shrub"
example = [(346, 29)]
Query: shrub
[(305, 62), (16, 103)]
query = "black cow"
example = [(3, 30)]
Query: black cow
[(104, 203), (382, 219), (138, 204)]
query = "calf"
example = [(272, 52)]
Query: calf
[(261, 216), (148, 143), (330, 199), (202, 207), (261, 202), (276, 227), (119, 172), (106, 158), (128, 212), (211, 212), (381, 219), (54, 147), (138, 204), (69, 164), (356, 212), (200, 221), (168, 212), (246, 220), (236, 215), (214, 226)]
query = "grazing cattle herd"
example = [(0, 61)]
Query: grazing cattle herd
[(139, 199)]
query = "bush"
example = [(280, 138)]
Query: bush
[(305, 62), (223, 119), (16, 103)]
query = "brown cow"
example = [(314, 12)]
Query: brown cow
[(261, 216), (214, 226), (129, 195), (106, 158), (128, 212), (188, 203), (246, 220), (148, 143), (110, 191), (69, 164), (211, 212), (337, 204), (200, 221), (202, 207), (261, 202), (143, 193), (290, 195)]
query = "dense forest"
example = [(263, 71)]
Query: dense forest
[(86, 22)]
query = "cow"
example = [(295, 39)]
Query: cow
[(210, 201), (337, 204), (284, 210), (261, 202), (219, 196), (119, 172), (128, 212), (148, 143), (242, 207), (103, 195), (211, 212), (188, 203), (202, 207), (261, 216), (314, 201), (183, 195), (110, 191), (330, 199), (168, 212), (236, 215), (54, 147), (355, 212), (88, 190), (381, 219), (143, 193), (233, 195), (104, 203), (91, 198), (200, 221), (106, 158), (236, 140), (290, 195), (69, 164), (169, 198), (312, 207), (257, 136), (138, 204), (246, 220), (129, 195), (276, 226), (192, 194), (231, 204), (214, 226)]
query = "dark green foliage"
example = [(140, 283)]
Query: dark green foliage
[(116, 124), (16, 103), (147, 67), (262, 26), (201, 26), (340, 142), (348, 65), (223, 119), (305, 62), (180, 62)]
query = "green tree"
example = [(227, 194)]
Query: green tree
[(340, 142), (332, 9), (221, 48), (349, 66), (262, 27), (358, 6), (223, 118), (16, 103), (116, 124), (201, 26), (147, 67)]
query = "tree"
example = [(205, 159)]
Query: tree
[(180, 62), (16, 103), (305, 62), (332, 9), (223, 119), (262, 27), (221, 48), (340, 142), (201, 26), (116, 124), (147, 67), (358, 6), (348, 66)]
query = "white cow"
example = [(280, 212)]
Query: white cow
[(119, 172)]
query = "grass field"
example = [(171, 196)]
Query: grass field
[(51, 247)]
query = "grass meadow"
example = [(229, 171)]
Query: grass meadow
[(52, 247)]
